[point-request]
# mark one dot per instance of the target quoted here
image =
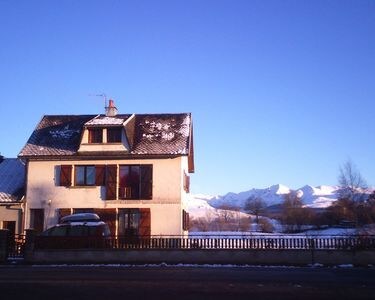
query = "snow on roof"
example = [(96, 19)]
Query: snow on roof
[(104, 120), (63, 133), (162, 134), (12, 180)]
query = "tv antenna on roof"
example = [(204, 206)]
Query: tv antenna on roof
[(103, 95)]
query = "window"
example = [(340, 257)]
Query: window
[(11, 226), (114, 135), (135, 182), (134, 222), (95, 135), (84, 175), (129, 220)]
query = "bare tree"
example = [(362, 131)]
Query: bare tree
[(354, 202), (352, 185), (294, 215), (255, 205)]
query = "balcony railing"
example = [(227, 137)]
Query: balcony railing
[(219, 242)]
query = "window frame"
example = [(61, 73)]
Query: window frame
[(114, 135), (85, 175), (95, 135), (140, 190)]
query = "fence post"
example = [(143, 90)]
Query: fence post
[(4, 239), (29, 244), (311, 242)]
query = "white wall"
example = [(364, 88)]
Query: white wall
[(166, 203)]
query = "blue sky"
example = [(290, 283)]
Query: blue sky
[(280, 91)]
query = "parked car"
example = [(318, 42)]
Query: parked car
[(83, 230)]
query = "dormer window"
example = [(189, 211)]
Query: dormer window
[(104, 134), (114, 135), (95, 135)]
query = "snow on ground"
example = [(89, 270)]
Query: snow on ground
[(198, 207), (324, 232)]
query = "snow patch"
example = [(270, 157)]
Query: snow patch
[(64, 133), (104, 120)]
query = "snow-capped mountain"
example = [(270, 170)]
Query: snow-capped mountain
[(316, 197)]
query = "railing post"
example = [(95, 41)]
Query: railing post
[(29, 243), (311, 243), (4, 239)]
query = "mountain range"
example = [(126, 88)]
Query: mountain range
[(315, 197)]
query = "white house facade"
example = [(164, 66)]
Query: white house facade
[(130, 169)]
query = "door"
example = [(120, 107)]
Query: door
[(37, 219), (11, 226)]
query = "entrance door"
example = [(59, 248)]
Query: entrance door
[(37, 219), (11, 226)]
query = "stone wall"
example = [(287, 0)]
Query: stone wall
[(207, 256)]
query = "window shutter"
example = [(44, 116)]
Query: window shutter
[(64, 212), (99, 175), (145, 222), (146, 182), (185, 220), (186, 183), (66, 175), (111, 179)]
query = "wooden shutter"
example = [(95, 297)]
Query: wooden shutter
[(145, 222), (65, 175), (108, 215), (186, 183), (64, 212), (146, 182), (185, 220), (99, 175), (111, 179)]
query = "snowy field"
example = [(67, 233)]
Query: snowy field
[(325, 232)]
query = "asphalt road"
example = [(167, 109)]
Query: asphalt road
[(121, 282)]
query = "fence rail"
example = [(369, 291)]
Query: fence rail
[(220, 242)]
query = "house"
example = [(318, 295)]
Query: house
[(12, 180), (131, 169)]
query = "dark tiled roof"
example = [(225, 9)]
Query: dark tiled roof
[(147, 134), (161, 134), (56, 135), (12, 180)]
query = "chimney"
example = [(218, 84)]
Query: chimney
[(111, 110)]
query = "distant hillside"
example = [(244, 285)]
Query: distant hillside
[(315, 197)]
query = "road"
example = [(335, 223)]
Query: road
[(158, 282)]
